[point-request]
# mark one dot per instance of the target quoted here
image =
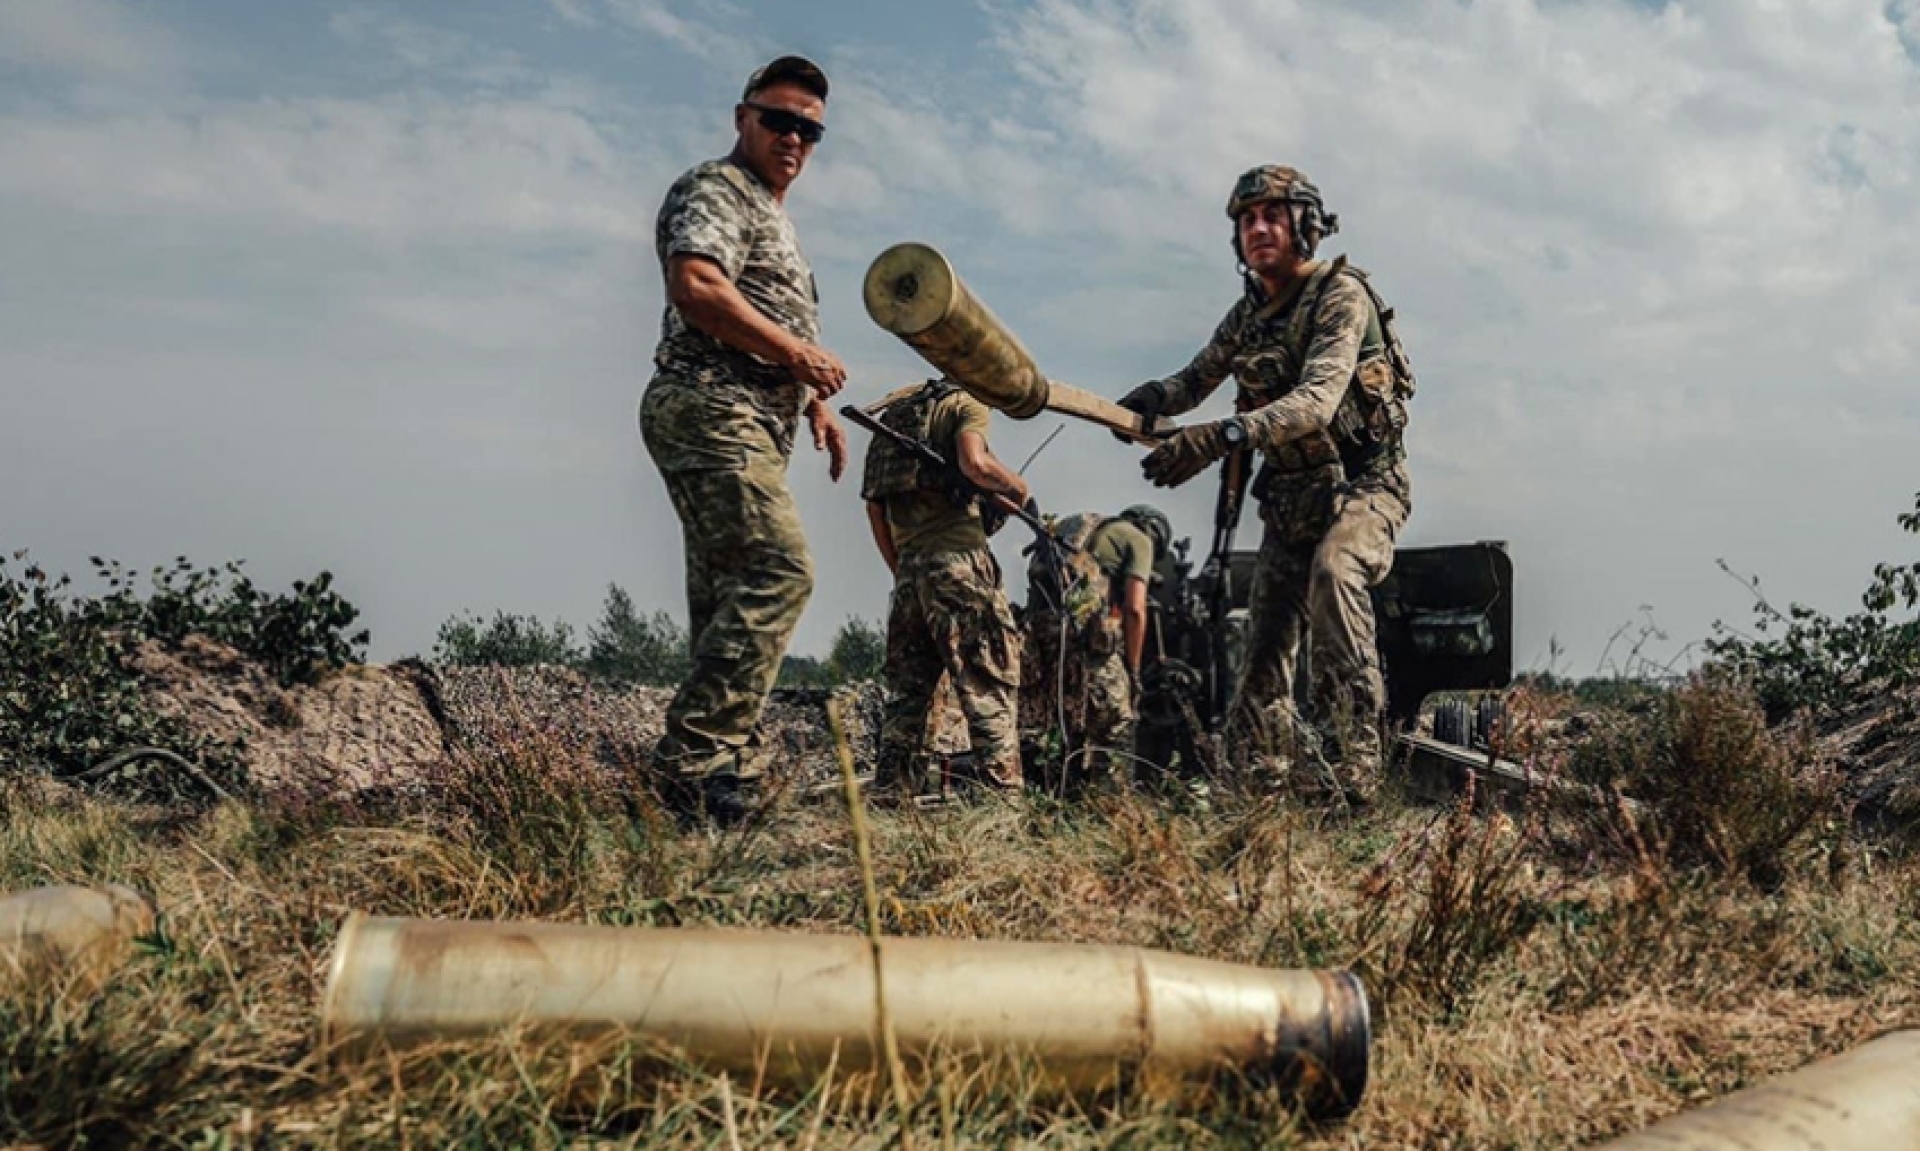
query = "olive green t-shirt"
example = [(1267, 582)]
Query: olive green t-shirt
[(1123, 552), (928, 522)]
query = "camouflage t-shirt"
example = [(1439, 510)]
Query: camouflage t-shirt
[(930, 522), (723, 212)]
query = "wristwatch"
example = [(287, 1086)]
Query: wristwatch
[(1233, 431)]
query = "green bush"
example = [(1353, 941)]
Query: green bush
[(297, 636), (627, 647), (803, 671), (69, 695), (1716, 787), (507, 640), (1802, 658), (859, 652)]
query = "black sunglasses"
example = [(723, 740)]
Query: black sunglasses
[(781, 122)]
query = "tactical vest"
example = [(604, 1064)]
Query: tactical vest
[(891, 470), (1373, 411)]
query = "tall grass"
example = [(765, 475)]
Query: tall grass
[(1531, 995)]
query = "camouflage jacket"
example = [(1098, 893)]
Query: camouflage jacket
[(1316, 384), (721, 211)]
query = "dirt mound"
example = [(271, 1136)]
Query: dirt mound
[(358, 728), (388, 727), (1876, 744), (621, 724)]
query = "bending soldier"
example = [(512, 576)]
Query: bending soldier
[(736, 366), (948, 618), (1084, 641), (1323, 384)]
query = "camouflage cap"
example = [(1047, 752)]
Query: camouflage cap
[(787, 70), (1270, 182)]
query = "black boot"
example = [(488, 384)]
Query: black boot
[(729, 799)]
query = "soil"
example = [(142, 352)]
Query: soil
[(388, 726), (358, 728), (1876, 744)]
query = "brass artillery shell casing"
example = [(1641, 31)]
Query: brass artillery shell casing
[(784, 1006), (912, 291), (86, 930), (1867, 1099)]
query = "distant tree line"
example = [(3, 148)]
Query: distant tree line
[(627, 647)]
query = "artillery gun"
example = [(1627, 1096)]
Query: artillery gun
[(1445, 620), (1445, 614)]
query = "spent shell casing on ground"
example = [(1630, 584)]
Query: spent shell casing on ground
[(59, 931), (780, 1007), (1865, 1100)]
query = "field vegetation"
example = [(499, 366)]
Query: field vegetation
[(1540, 977)]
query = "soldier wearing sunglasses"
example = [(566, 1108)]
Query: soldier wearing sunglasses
[(737, 366)]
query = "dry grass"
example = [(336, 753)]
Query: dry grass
[(1528, 997)]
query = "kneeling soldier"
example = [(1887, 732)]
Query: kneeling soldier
[(1086, 629), (949, 617)]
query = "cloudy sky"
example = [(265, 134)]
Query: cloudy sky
[(371, 287)]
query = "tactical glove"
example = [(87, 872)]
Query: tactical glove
[(993, 516), (1149, 401), (1185, 454)]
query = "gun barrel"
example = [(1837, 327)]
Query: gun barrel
[(912, 291)]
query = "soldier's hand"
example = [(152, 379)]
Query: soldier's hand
[(817, 368), (1184, 455), (1148, 401), (829, 437)]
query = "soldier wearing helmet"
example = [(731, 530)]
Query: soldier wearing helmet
[(1322, 385), (1099, 621)]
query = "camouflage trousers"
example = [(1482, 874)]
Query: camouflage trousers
[(748, 572), (949, 621), (1318, 590), (1089, 691)]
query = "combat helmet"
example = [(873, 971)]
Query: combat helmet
[(1311, 220), (1154, 522)]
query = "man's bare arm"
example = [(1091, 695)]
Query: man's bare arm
[(703, 294), (978, 464), (1133, 620), (828, 436)]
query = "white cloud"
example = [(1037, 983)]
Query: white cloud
[(702, 37), (1652, 262), (1637, 252), (403, 165), (445, 56), (96, 38)]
